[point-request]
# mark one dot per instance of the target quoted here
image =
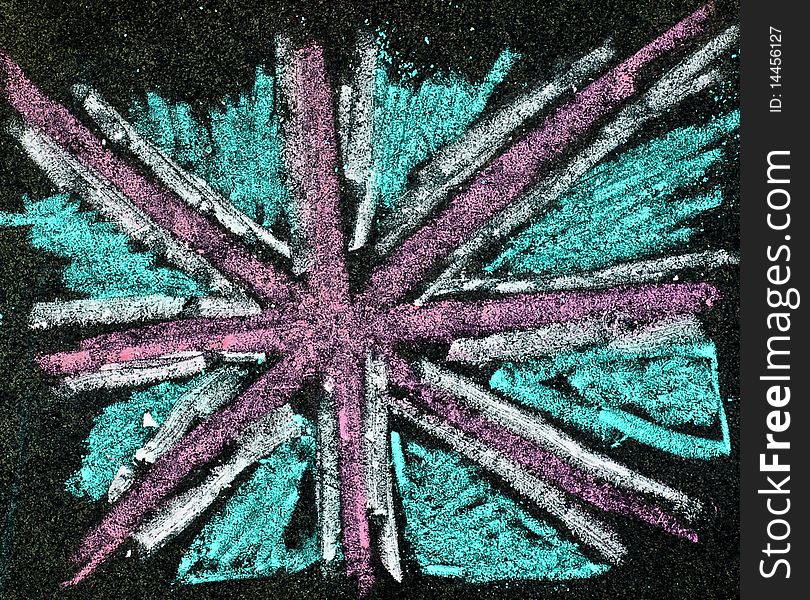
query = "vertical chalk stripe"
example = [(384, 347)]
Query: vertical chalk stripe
[(379, 485), (358, 131), (327, 484), (345, 373), (310, 153)]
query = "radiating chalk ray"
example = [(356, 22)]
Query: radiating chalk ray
[(535, 428), (45, 315), (676, 84), (517, 346), (209, 393), (327, 482), (191, 189), (357, 125), (129, 310), (322, 332), (536, 458), (300, 212), (191, 230), (310, 153), (641, 271), (260, 440), (379, 485), (137, 373), (346, 371), (69, 175), (460, 160), (576, 518), (515, 171)]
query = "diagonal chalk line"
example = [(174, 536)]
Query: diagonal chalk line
[(678, 83), (576, 518), (533, 427), (463, 158), (68, 174), (641, 271), (257, 442), (191, 189)]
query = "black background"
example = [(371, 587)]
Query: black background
[(199, 55)]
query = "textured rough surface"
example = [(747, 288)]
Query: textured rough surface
[(198, 80)]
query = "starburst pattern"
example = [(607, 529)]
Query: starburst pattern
[(363, 343)]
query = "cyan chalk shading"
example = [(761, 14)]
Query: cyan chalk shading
[(239, 154), (458, 525), (246, 539), (117, 433), (635, 206), (103, 264), (647, 395), (412, 120)]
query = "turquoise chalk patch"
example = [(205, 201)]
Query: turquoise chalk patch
[(614, 394), (103, 263), (412, 121), (239, 154), (458, 525), (246, 538), (117, 433), (625, 209)]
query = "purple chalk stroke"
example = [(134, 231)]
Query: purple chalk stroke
[(512, 172), (313, 331)]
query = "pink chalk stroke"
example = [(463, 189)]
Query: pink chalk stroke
[(448, 320), (311, 155), (541, 462), (511, 174), (197, 448), (268, 332)]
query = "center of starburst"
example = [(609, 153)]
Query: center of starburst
[(343, 327)]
